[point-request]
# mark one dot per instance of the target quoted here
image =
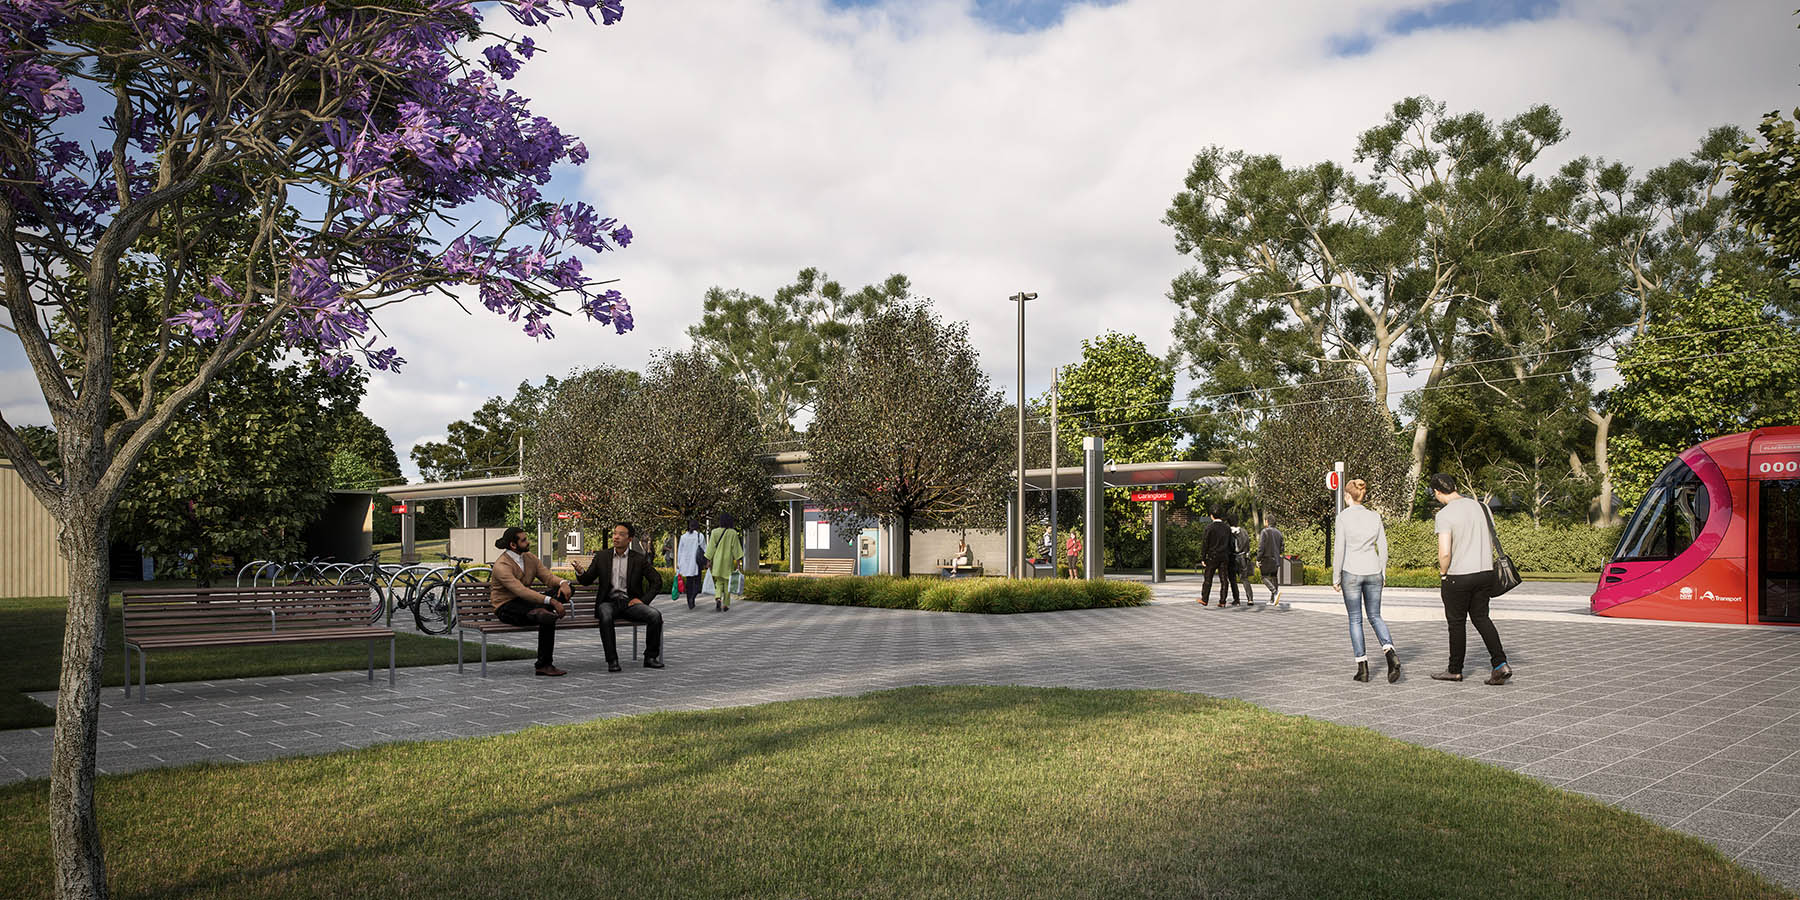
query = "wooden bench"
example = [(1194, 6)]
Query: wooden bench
[(169, 618), (950, 569), (828, 566), (475, 612)]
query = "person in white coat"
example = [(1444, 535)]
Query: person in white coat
[(1359, 554), (688, 551)]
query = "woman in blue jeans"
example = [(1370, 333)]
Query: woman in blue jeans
[(1359, 554)]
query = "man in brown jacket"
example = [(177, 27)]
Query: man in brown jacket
[(517, 603)]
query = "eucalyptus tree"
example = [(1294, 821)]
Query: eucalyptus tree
[(778, 348), (1319, 269), (908, 430), (346, 133)]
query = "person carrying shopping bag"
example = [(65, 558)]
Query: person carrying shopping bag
[(725, 549)]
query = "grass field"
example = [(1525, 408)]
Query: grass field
[(920, 792), (33, 628)]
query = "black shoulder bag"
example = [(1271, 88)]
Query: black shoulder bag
[(1506, 575)]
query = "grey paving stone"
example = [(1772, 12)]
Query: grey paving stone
[(1602, 784), (1728, 826), (1742, 800)]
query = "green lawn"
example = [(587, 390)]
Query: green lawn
[(920, 792), (33, 627)]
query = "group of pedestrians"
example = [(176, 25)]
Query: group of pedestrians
[(526, 593), (1225, 553), (1465, 557)]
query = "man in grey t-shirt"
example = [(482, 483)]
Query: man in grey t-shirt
[(1466, 564)]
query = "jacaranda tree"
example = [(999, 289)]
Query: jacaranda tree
[(354, 135)]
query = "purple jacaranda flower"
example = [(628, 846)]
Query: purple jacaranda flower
[(500, 62), (527, 47), (622, 236), (385, 360), (537, 327), (336, 364)]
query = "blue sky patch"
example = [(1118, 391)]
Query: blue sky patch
[(1014, 16), (1454, 14)]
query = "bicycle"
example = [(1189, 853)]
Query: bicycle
[(369, 571), (431, 598)]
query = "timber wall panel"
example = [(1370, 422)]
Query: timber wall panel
[(32, 565)]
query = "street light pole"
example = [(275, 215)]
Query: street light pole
[(1055, 381), (1019, 541)]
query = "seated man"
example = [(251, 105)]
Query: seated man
[(628, 582), (516, 603)]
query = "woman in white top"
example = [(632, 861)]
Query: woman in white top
[(1359, 554), (687, 560)]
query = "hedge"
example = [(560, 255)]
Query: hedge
[(973, 595), (1413, 545)]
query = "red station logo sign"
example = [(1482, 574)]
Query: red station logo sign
[(398, 509), (1331, 480), (1152, 496)]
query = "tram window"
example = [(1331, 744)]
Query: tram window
[(1669, 519), (1779, 550)]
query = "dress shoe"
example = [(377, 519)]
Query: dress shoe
[(1205, 603), (1499, 675), (612, 665), (1393, 666), (1447, 676), (550, 671), (653, 662), (1362, 671)]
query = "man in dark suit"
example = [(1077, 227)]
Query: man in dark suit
[(628, 582)]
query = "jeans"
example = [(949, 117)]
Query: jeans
[(1363, 592), (1466, 597)]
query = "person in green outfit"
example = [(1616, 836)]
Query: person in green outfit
[(725, 550)]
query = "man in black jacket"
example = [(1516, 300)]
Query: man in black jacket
[(1216, 552), (628, 582)]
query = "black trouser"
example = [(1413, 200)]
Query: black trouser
[(525, 615), (1271, 573), (693, 583), (1467, 597), (639, 612), (1227, 576)]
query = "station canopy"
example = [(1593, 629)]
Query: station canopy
[(1126, 475)]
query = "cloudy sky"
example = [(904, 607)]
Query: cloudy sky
[(989, 147)]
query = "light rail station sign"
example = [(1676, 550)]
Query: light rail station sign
[(1152, 496)]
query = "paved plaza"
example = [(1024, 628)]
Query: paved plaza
[(1696, 727)]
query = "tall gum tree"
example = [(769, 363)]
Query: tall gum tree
[(1316, 268), (352, 135)]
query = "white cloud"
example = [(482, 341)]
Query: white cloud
[(742, 141)]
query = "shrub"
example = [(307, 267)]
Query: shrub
[(1546, 548), (976, 595)]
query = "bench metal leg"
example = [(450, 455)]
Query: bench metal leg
[(459, 643), (128, 671), (634, 634), (390, 660), (143, 686), (371, 662), (484, 654)]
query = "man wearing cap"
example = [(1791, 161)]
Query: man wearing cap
[(517, 603)]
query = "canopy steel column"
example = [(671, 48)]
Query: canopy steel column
[(468, 510), (409, 545), (1157, 575), (796, 535), (1093, 457), (752, 548), (1012, 535)]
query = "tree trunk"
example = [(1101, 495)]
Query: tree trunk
[(74, 828), (903, 537), (1602, 467)]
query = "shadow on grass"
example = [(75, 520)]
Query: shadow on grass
[(912, 792)]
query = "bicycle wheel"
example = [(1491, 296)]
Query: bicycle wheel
[(378, 598), (433, 606)]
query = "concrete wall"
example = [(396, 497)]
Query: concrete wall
[(477, 544), (33, 566), (989, 548), (343, 531)]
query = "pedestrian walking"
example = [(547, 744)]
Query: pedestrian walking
[(1073, 550), (1466, 583), (725, 550), (1242, 567), (690, 559), (1269, 547), (1216, 551), (1359, 555)]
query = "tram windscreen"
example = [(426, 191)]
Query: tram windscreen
[(1670, 517)]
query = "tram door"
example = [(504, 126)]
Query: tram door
[(1778, 550)]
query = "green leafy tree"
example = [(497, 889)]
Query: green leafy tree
[(484, 445), (1121, 392), (241, 471), (355, 433), (908, 430), (1319, 270), (1716, 363), (1323, 421), (600, 451), (777, 349)]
